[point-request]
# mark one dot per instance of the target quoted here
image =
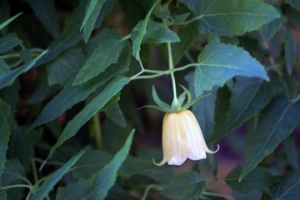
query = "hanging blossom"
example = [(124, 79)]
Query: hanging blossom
[(182, 137)]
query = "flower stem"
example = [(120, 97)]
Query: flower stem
[(171, 67)]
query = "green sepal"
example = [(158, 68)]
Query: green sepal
[(181, 98), (157, 108), (158, 101), (189, 104)]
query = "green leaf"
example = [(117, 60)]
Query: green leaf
[(91, 109), (294, 3), (9, 20), (4, 133), (137, 38), (257, 179), (9, 77), (71, 95), (268, 30), (13, 172), (290, 49), (48, 185), (249, 96), (8, 42), (280, 120), (158, 101), (65, 67), (21, 145), (114, 112), (90, 163), (292, 16), (235, 17), (155, 33), (219, 62), (187, 36), (92, 12), (288, 187), (134, 165), (178, 187), (106, 54), (69, 37), (45, 12), (3, 67), (97, 186)]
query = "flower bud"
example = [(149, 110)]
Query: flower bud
[(182, 138)]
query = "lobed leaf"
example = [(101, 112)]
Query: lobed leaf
[(219, 62), (235, 17), (276, 125)]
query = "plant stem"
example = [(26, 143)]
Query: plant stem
[(97, 133), (171, 67), (34, 170), (16, 186)]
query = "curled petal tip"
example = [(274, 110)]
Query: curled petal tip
[(158, 164), (210, 151)]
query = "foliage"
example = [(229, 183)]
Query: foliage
[(73, 75)]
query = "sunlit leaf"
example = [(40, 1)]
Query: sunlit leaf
[(97, 186), (178, 187), (235, 17), (45, 11), (219, 62), (9, 20), (280, 120), (48, 185)]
